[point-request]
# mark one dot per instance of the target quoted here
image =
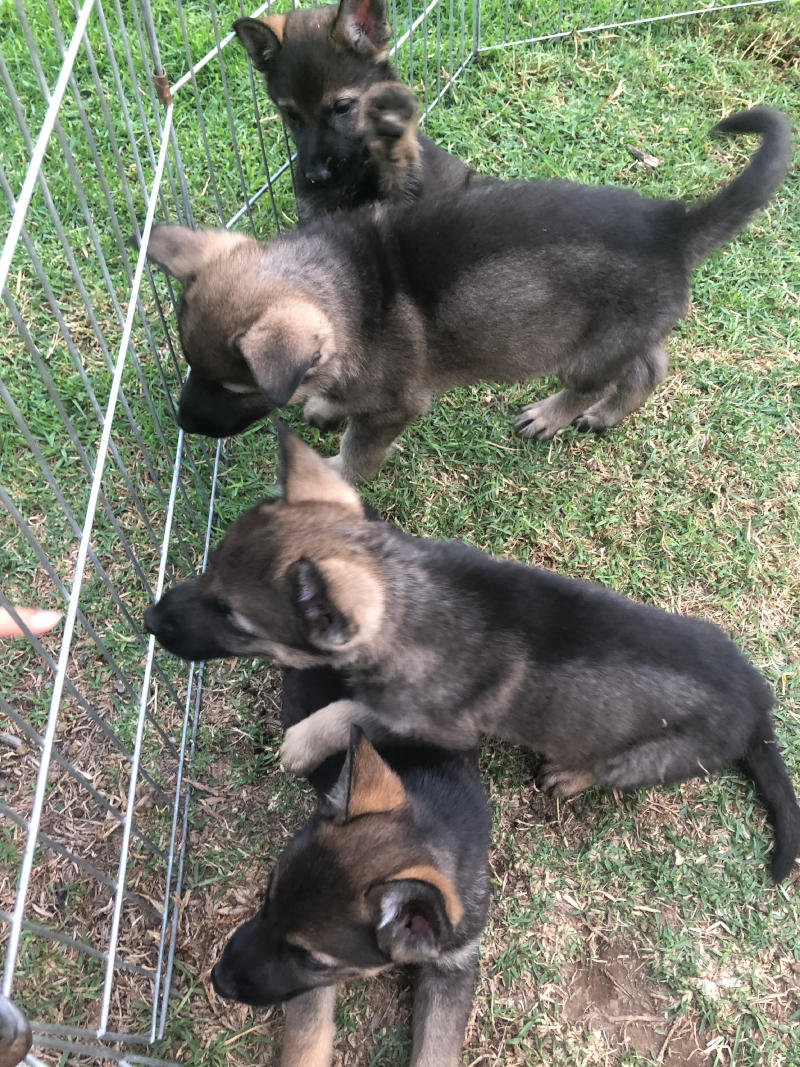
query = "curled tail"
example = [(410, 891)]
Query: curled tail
[(711, 224), (763, 762)]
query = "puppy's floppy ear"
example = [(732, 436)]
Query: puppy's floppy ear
[(305, 477), (285, 341), (372, 785), (415, 913), (262, 38), (273, 362), (362, 26), (182, 252)]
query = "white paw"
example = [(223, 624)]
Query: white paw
[(298, 752)]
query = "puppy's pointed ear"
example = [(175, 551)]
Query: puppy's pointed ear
[(262, 38), (372, 785), (415, 913), (181, 252), (305, 477), (362, 26), (340, 602), (325, 625)]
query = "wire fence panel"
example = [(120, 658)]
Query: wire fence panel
[(106, 501), (509, 23), (103, 500)]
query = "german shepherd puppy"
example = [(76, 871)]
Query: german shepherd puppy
[(392, 868), (368, 314), (442, 643), (354, 124)]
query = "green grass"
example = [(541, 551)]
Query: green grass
[(691, 504)]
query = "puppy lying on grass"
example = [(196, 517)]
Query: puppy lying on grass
[(392, 868), (442, 643), (367, 314)]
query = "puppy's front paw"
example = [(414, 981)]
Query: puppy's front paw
[(388, 110), (299, 753), (561, 781), (539, 420), (319, 412), (595, 419)]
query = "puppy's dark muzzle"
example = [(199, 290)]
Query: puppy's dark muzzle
[(184, 624), (165, 626), (223, 983), (154, 624), (227, 986), (319, 173), (205, 408)]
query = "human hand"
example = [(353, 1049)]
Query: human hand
[(38, 622)]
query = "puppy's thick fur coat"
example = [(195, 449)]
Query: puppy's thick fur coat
[(441, 642), (365, 316), (355, 127), (392, 868)]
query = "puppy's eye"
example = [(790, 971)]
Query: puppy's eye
[(292, 116), (315, 961), (343, 106), (234, 620)]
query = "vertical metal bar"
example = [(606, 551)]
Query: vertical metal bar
[(26, 192), (185, 823), (410, 44), (72, 609), (231, 122), (126, 831)]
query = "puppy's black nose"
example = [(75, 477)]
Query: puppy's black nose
[(222, 983), (319, 172)]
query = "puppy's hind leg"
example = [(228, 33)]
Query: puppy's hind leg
[(308, 1037), (545, 418), (657, 762), (628, 393)]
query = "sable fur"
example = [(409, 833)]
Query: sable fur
[(391, 868), (610, 692), (367, 315), (354, 125)]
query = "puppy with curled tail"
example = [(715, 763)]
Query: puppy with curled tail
[(365, 316), (440, 643)]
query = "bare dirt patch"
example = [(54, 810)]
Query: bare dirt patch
[(611, 995)]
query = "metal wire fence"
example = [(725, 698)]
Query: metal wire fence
[(115, 115)]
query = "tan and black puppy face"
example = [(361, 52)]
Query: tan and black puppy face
[(352, 893), (250, 337), (317, 64), (293, 579)]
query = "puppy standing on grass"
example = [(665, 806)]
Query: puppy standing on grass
[(365, 316), (392, 868), (442, 643), (354, 125)]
